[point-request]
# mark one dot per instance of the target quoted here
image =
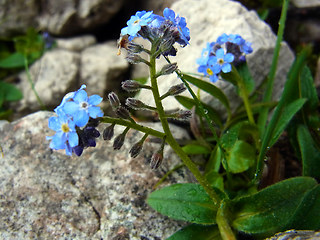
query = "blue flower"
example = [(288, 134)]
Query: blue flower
[(140, 19), (207, 70), (180, 23), (66, 136), (80, 107), (221, 61), (206, 53)]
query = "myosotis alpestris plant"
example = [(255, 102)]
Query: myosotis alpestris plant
[(227, 199)]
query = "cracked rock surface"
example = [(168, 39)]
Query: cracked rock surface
[(45, 194)]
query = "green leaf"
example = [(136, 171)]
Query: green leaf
[(15, 60), (195, 149), (188, 202), (308, 90), (271, 209), (189, 103), (9, 92), (240, 157), (209, 88), (214, 160), (307, 216), (196, 232), (285, 117), (244, 72), (215, 180), (310, 154)]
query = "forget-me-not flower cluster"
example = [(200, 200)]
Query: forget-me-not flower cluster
[(77, 110), (218, 56), (170, 28)]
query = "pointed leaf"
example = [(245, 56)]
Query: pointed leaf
[(9, 92), (310, 154), (271, 209), (308, 89), (15, 60), (285, 117), (196, 232), (244, 72), (188, 202), (209, 88)]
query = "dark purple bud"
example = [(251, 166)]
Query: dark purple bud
[(136, 149), (134, 58), (134, 103), (134, 48), (130, 86), (122, 112), (169, 68), (118, 141), (78, 150), (114, 100), (108, 132), (156, 160), (176, 89)]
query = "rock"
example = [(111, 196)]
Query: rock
[(306, 3), (101, 67), (17, 15), (53, 76), (297, 235), (66, 17), (207, 20), (100, 195), (76, 44)]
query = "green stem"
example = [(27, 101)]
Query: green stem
[(245, 97), (133, 125), (263, 116), (32, 84), (170, 139)]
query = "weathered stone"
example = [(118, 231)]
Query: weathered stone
[(76, 44), (66, 17), (53, 76), (207, 20), (306, 3), (17, 15), (45, 194), (296, 235), (101, 67)]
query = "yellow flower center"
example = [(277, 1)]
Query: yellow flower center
[(136, 21), (65, 128), (209, 71)]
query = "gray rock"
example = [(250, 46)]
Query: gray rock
[(17, 15), (296, 235), (207, 20), (53, 76), (66, 17), (76, 44), (101, 67), (100, 195), (306, 3)]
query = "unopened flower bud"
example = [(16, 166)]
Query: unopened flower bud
[(134, 103), (134, 58), (122, 112), (156, 160), (169, 68), (182, 115), (134, 47), (114, 100), (130, 85), (176, 89), (119, 140), (108, 132), (136, 149), (167, 44)]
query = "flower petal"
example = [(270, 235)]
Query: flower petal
[(73, 139), (70, 108), (81, 118), (81, 96), (54, 123), (226, 67), (94, 100), (95, 112), (220, 53), (228, 57)]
